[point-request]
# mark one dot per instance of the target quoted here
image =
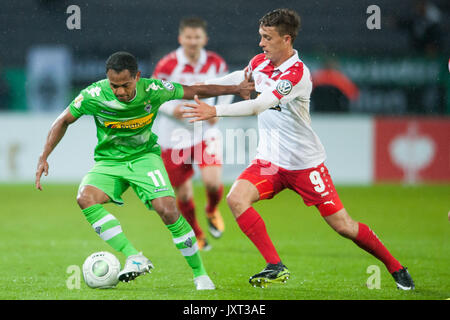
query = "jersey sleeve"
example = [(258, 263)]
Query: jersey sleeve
[(292, 84), (79, 105), (256, 60), (169, 90)]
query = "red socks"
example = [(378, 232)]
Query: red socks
[(213, 199), (253, 226), (188, 211), (368, 240)]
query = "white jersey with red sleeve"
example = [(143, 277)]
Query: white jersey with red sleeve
[(179, 133), (286, 137)]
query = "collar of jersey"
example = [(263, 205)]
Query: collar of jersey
[(183, 60), (135, 95), (288, 63)]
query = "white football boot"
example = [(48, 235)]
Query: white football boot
[(135, 266), (204, 283)]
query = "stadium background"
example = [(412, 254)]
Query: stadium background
[(396, 130), (43, 65)]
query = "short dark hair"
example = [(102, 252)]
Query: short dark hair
[(193, 22), (122, 60), (286, 21)]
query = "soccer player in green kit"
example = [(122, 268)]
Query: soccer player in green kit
[(124, 107)]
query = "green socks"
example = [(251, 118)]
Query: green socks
[(185, 240), (109, 229)]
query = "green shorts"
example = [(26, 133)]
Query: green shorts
[(146, 175)]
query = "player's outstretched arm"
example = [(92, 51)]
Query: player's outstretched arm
[(244, 89), (201, 111), (57, 131)]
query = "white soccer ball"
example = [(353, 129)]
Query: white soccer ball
[(100, 270)]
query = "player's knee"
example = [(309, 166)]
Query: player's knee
[(167, 210), (184, 192), (212, 187), (85, 200), (89, 196), (237, 202), (232, 199), (184, 196), (169, 215), (212, 183)]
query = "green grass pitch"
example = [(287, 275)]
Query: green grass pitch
[(43, 233)]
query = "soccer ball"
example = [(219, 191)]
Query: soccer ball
[(100, 270)]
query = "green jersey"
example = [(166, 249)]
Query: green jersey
[(124, 129)]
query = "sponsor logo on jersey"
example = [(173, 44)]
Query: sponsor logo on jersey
[(130, 124), (284, 87), (168, 85)]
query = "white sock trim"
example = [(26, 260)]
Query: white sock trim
[(111, 233), (187, 252), (182, 239), (103, 220)]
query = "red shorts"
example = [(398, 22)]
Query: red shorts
[(314, 185), (179, 162)]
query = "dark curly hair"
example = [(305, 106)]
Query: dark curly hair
[(122, 60)]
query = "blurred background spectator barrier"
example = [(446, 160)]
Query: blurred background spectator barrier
[(361, 149)]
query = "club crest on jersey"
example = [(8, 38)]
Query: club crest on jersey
[(284, 87), (148, 108), (168, 85)]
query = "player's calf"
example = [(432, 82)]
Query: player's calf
[(342, 223)]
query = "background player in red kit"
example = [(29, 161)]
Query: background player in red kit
[(182, 144), (289, 155)]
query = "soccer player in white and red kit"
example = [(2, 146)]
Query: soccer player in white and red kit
[(289, 154), (182, 144)]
